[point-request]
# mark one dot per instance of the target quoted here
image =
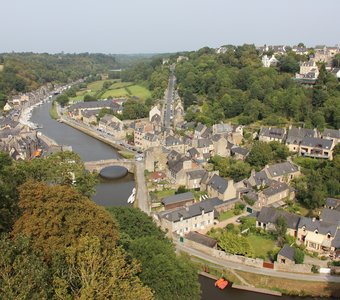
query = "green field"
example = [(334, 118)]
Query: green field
[(118, 89), (128, 91), (261, 245), (226, 215)]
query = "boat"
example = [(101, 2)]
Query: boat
[(221, 283), (132, 196)]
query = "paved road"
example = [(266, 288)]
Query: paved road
[(245, 268), (142, 194), (169, 101)]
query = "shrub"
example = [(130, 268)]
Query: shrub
[(315, 269)]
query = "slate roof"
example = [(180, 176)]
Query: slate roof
[(218, 184), (331, 216), (150, 137), (336, 241), (172, 141), (191, 211), (260, 178), (201, 239), (222, 128), (272, 132), (331, 133), (96, 104), (206, 133), (89, 113), (282, 169), (275, 188), (200, 127), (270, 215), (202, 143), (317, 143), (196, 174), (296, 135), (321, 226), (287, 252), (174, 155), (106, 119), (156, 118), (239, 150), (178, 198), (332, 202), (193, 152), (177, 165)]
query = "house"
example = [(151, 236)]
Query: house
[(220, 188), (308, 70), (194, 178), (106, 120), (174, 143), (283, 172), (116, 129), (89, 117), (201, 239), (199, 130), (178, 200), (318, 235), (204, 146), (258, 179), (270, 134), (317, 148), (178, 168), (189, 218), (155, 158), (153, 112), (273, 194), (267, 220), (150, 140), (296, 135), (267, 62), (239, 153), (75, 110), (220, 145), (286, 255), (332, 203), (222, 128), (336, 72), (193, 153), (157, 176), (331, 134)]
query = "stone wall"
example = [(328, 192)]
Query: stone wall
[(296, 268)]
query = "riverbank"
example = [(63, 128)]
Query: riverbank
[(267, 284)]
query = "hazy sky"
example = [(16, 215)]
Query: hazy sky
[(148, 26)]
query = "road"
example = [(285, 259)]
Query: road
[(245, 268), (169, 100), (142, 193)]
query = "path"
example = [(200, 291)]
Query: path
[(142, 193), (245, 268)]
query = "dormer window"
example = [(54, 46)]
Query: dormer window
[(316, 231), (328, 235)]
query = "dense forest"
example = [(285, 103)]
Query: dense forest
[(56, 243), (216, 87)]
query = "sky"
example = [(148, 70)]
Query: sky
[(159, 26)]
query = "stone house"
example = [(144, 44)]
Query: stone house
[(222, 128), (174, 143), (204, 146), (199, 130), (89, 117), (308, 70), (321, 235), (267, 62), (116, 129), (194, 178), (218, 187), (150, 140), (270, 134), (317, 148), (286, 255), (239, 153), (156, 158), (283, 172), (202, 239), (178, 200), (220, 145), (296, 135), (189, 218), (331, 134), (178, 168), (267, 219)]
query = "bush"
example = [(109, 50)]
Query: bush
[(230, 227), (299, 256), (315, 269)]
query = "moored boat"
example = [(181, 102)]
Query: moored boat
[(221, 283)]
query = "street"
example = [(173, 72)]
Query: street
[(168, 109)]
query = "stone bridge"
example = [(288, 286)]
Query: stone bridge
[(98, 165)]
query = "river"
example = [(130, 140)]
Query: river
[(91, 149)]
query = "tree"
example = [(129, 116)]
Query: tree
[(87, 271), (169, 276), (135, 223), (288, 64), (62, 100), (57, 216), (235, 244), (299, 256), (5, 160), (24, 274), (280, 151), (260, 154), (88, 98), (281, 228)]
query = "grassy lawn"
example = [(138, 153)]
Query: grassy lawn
[(128, 90), (297, 208), (126, 154), (119, 85), (53, 111), (226, 215), (159, 195), (96, 85), (261, 245)]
